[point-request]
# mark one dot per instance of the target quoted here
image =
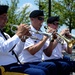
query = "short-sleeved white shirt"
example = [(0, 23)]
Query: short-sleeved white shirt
[(57, 52), (25, 56), (5, 46)]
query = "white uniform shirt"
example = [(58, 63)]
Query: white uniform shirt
[(25, 56), (57, 52), (5, 46)]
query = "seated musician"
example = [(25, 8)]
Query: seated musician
[(7, 60), (58, 45), (32, 53)]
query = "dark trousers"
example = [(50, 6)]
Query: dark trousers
[(66, 58), (25, 69), (63, 67), (48, 67), (34, 68), (72, 64), (51, 66)]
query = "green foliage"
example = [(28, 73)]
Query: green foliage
[(63, 8), (16, 15), (43, 5), (66, 10)]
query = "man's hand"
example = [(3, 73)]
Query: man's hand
[(23, 31)]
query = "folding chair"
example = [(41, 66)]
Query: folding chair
[(3, 72)]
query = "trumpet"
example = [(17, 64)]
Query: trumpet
[(42, 33), (33, 37), (69, 42), (14, 29)]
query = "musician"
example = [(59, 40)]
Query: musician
[(58, 45), (32, 53), (7, 56)]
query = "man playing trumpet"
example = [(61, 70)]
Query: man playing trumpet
[(56, 52), (7, 58), (33, 49)]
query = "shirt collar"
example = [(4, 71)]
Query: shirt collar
[(32, 28)]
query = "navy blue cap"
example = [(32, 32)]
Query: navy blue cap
[(3, 9), (36, 13), (52, 19)]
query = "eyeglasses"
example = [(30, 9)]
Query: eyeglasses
[(40, 18), (55, 23)]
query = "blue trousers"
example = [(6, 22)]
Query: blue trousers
[(63, 67), (51, 66), (48, 67), (72, 64), (66, 58), (28, 69)]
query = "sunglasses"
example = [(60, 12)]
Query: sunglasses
[(40, 18), (55, 23)]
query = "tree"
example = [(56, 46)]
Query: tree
[(16, 15), (66, 10), (63, 8), (43, 5)]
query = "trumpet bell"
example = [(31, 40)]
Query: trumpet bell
[(71, 43)]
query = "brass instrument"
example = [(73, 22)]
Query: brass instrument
[(14, 28), (42, 33), (33, 37), (69, 42)]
